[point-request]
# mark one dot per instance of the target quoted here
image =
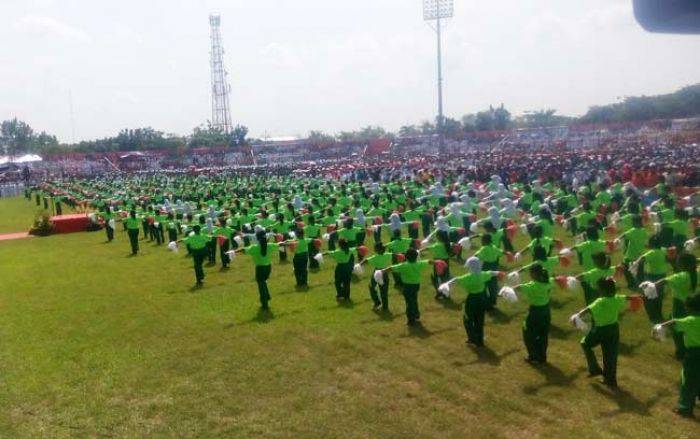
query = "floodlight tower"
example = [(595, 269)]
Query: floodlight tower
[(438, 11), (220, 88)]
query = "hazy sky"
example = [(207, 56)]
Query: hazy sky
[(297, 65)]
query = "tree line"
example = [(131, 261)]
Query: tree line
[(17, 137)]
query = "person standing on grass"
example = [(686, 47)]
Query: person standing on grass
[(538, 320), (410, 274), (312, 231), (379, 261), (684, 284), (301, 259), (689, 328), (345, 259), (108, 218), (132, 229), (197, 244), (605, 331), (490, 256), (477, 301), (635, 240), (261, 253), (654, 269)]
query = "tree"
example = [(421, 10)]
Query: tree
[(237, 138), (16, 137), (469, 123), (453, 128), (320, 138), (484, 121), (409, 131), (501, 118), (427, 128)]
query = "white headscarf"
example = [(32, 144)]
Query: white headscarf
[(474, 265)]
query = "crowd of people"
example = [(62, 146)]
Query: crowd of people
[(395, 220)]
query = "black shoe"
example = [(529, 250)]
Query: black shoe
[(595, 373), (610, 384)]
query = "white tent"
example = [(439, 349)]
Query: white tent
[(27, 158)]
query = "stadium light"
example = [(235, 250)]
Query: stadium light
[(439, 10)]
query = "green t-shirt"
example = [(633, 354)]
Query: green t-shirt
[(399, 245), (690, 328), (680, 282), (259, 258), (636, 240), (655, 261), (537, 293), (349, 235), (475, 283), (544, 242), (438, 250), (606, 310), (489, 253), (587, 249), (592, 276), (312, 231), (197, 242), (410, 272), (380, 261), (132, 223), (303, 245), (342, 257), (548, 264)]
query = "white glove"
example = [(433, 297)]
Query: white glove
[(649, 290), (572, 283), (578, 322), (378, 277), (319, 258), (658, 332), (513, 278), (357, 269), (508, 294)]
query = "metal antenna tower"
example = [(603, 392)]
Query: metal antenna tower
[(220, 88), (438, 11)]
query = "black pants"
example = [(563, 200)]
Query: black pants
[(313, 263), (110, 233), (383, 291), (301, 270), (158, 231), (198, 259), (654, 307), (690, 381), (134, 240), (146, 229), (223, 248), (262, 274), (536, 332), (474, 316), (410, 295), (491, 285), (608, 337), (172, 235), (343, 276), (211, 251)]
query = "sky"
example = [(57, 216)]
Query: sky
[(300, 65)]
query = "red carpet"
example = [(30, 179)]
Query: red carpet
[(70, 223)]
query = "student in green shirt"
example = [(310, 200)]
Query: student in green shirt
[(605, 331), (261, 253), (654, 269), (398, 246), (345, 260), (410, 273), (490, 255), (477, 301), (301, 259), (589, 279), (587, 248), (379, 261), (635, 240), (198, 246), (172, 227), (107, 216), (312, 231), (684, 284), (538, 320), (689, 328), (224, 234), (132, 229), (440, 251)]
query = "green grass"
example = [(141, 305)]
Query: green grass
[(17, 214), (95, 343)]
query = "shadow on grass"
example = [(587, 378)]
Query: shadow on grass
[(560, 333), (501, 318), (554, 377), (629, 348), (626, 402), (263, 316), (420, 331), (448, 303), (486, 355)]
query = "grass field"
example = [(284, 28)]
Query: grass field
[(99, 344)]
